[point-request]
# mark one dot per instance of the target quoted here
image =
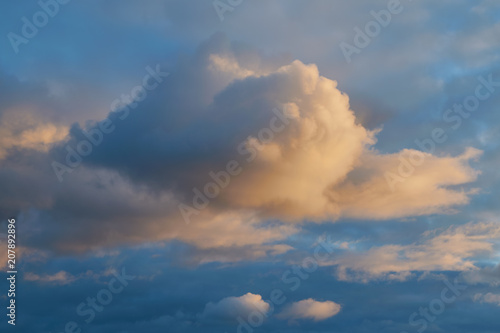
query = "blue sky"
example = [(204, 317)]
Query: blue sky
[(235, 171)]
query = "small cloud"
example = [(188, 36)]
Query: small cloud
[(488, 298), (310, 309), (61, 277), (232, 307)]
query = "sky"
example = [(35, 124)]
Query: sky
[(275, 166)]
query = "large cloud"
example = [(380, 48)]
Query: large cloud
[(307, 170), (309, 160)]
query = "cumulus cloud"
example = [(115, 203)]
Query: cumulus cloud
[(231, 308), (453, 249), (487, 298), (309, 170), (310, 309), (315, 163)]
